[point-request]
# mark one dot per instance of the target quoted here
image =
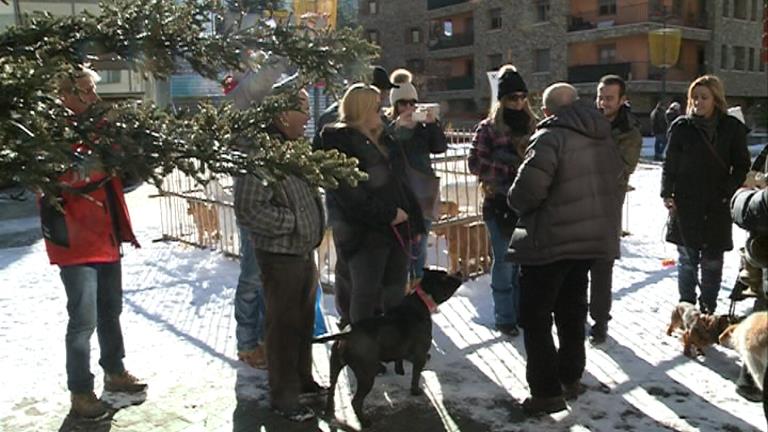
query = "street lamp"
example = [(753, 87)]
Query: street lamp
[(665, 51)]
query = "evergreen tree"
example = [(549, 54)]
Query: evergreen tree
[(37, 133)]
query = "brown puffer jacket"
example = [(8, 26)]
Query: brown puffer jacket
[(567, 191)]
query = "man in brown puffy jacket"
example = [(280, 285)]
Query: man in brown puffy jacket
[(568, 199)]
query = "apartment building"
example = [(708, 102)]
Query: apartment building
[(451, 44), (115, 83)]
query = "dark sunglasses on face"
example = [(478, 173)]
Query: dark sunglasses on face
[(407, 102), (516, 97)]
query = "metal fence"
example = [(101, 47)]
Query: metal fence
[(204, 216)]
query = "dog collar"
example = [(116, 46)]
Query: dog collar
[(425, 298)]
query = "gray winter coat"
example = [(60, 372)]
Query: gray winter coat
[(567, 191)]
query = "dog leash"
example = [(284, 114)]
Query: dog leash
[(402, 242)]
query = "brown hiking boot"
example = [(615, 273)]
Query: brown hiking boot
[(87, 405), (255, 358), (124, 383)]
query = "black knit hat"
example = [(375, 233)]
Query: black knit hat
[(511, 82), (381, 79)]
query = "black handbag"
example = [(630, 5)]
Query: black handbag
[(53, 223), (426, 188)]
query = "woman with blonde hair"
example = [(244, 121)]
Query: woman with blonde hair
[(418, 139), (497, 152), (707, 160), (375, 222)]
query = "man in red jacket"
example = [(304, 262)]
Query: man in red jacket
[(85, 242)]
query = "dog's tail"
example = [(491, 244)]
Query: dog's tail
[(333, 337)]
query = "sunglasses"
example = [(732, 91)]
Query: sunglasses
[(516, 97), (407, 102)]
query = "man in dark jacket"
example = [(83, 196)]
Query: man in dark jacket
[(659, 127), (749, 209), (625, 131), (331, 114), (85, 242), (567, 196), (286, 223)]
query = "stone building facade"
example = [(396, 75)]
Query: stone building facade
[(451, 44)]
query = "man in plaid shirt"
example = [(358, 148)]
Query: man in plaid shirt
[(286, 223)]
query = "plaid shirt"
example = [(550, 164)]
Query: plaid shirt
[(285, 217), (494, 158)]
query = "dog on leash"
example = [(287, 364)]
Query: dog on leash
[(700, 330), (402, 333), (750, 339), (206, 219)]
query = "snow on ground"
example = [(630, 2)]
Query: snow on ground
[(179, 331)]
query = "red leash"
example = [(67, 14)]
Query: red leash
[(402, 242)]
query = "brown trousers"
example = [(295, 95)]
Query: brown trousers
[(289, 290)]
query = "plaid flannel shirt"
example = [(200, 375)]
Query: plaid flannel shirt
[(493, 157)]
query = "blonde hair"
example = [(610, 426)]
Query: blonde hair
[(359, 100), (496, 111), (715, 86)]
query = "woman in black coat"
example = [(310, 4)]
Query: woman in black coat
[(375, 222), (707, 160)]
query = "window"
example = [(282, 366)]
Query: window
[(414, 35), (494, 17), (724, 57), (751, 61), (541, 60), (754, 11), (739, 58), (448, 28), (372, 36), (494, 61), (740, 9), (415, 65), (110, 76), (607, 7), (542, 10), (373, 7), (725, 7), (607, 54)]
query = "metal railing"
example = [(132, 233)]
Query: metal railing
[(456, 40), (204, 216), (633, 71), (685, 16)]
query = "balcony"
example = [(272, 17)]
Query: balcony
[(466, 82), (436, 4), (642, 13), (456, 40), (633, 71)]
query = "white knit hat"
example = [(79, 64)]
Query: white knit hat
[(406, 91)]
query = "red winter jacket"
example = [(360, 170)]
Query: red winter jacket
[(93, 232)]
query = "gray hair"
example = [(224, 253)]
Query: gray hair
[(559, 95)]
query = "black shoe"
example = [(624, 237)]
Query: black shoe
[(508, 329), (534, 406), (296, 414), (598, 333), (750, 393), (573, 390), (313, 389)]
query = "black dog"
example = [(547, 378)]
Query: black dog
[(402, 333)]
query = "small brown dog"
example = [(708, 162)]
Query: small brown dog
[(750, 339), (468, 247), (699, 329), (448, 209), (206, 219)]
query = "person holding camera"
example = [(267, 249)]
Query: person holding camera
[(497, 152), (418, 132)]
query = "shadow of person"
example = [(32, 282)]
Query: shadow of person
[(114, 402), (256, 415)]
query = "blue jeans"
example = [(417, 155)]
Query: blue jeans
[(249, 297), (659, 146), (320, 327), (94, 302), (505, 284), (688, 264), (419, 252)]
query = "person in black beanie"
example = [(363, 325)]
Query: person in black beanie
[(497, 151)]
